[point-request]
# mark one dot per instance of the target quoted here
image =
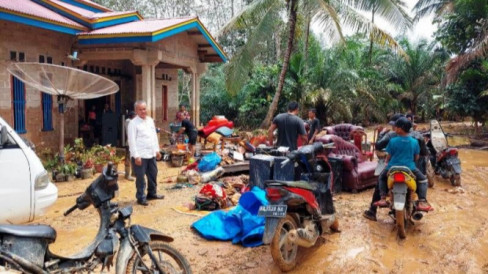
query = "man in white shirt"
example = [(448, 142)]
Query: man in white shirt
[(144, 149)]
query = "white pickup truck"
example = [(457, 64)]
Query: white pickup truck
[(25, 188)]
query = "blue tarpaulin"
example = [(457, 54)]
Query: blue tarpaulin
[(241, 224)]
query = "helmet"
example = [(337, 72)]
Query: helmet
[(404, 124)]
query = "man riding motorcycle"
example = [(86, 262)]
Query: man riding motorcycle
[(404, 150), (384, 138)]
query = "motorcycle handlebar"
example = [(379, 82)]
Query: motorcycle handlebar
[(70, 210)]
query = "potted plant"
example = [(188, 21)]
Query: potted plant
[(87, 165), (69, 170)]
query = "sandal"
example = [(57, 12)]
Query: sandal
[(382, 203), (423, 205)]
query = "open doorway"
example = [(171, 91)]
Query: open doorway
[(103, 121)]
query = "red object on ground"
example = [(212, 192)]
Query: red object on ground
[(257, 140), (220, 122), (214, 191), (192, 166), (207, 130)]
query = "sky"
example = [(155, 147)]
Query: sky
[(423, 29)]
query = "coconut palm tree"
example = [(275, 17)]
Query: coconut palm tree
[(426, 7), (261, 16)]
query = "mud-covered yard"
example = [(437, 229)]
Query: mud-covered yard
[(451, 239)]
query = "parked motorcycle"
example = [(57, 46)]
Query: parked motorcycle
[(446, 161), (402, 185), (136, 248), (299, 211)]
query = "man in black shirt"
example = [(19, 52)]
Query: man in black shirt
[(289, 126), (314, 125), (189, 129)]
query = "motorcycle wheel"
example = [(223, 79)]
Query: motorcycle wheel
[(400, 223), (283, 252), (455, 180), (430, 174), (169, 258)]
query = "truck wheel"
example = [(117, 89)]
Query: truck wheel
[(171, 260), (400, 223), (283, 252)]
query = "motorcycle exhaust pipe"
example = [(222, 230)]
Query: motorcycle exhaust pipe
[(417, 216), (293, 237)]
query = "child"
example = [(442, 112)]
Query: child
[(403, 150)]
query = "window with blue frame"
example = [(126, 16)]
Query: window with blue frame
[(47, 112), (47, 105), (18, 90)]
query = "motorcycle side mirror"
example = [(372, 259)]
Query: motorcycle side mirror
[(3, 135)]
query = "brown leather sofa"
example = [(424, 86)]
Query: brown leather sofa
[(357, 171), (342, 130)]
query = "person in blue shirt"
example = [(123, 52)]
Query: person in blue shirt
[(403, 150)]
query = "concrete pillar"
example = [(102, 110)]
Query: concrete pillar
[(197, 100), (194, 107), (149, 88), (147, 59)]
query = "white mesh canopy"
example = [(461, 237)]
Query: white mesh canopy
[(59, 80)]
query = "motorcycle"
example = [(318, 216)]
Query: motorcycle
[(446, 160), (136, 248), (299, 212), (402, 185)]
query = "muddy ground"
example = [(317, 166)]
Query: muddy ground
[(451, 239)]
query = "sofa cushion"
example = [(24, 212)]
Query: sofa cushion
[(366, 170), (342, 130)]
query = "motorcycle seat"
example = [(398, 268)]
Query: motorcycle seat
[(297, 184), (401, 169), (29, 231)]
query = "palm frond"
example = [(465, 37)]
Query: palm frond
[(327, 16), (252, 13), (424, 8), (393, 11), (459, 62), (239, 68)]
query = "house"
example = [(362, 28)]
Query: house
[(143, 56)]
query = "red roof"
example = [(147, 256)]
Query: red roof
[(91, 3), (31, 8), (145, 26), (89, 14), (81, 11)]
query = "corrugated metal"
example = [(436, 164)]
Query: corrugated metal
[(81, 11), (148, 25), (30, 8)]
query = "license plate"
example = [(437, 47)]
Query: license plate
[(277, 211)]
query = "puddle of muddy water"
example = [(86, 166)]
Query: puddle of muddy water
[(458, 141)]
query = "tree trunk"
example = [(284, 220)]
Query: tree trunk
[(305, 48), (292, 20)]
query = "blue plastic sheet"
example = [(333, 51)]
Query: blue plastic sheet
[(209, 162), (241, 224), (225, 131)]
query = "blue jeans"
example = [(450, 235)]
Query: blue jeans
[(420, 179), (149, 169)]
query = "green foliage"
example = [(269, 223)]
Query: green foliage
[(465, 97), (458, 30)]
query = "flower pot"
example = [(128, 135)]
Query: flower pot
[(70, 177), (98, 168), (86, 173), (60, 177)]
